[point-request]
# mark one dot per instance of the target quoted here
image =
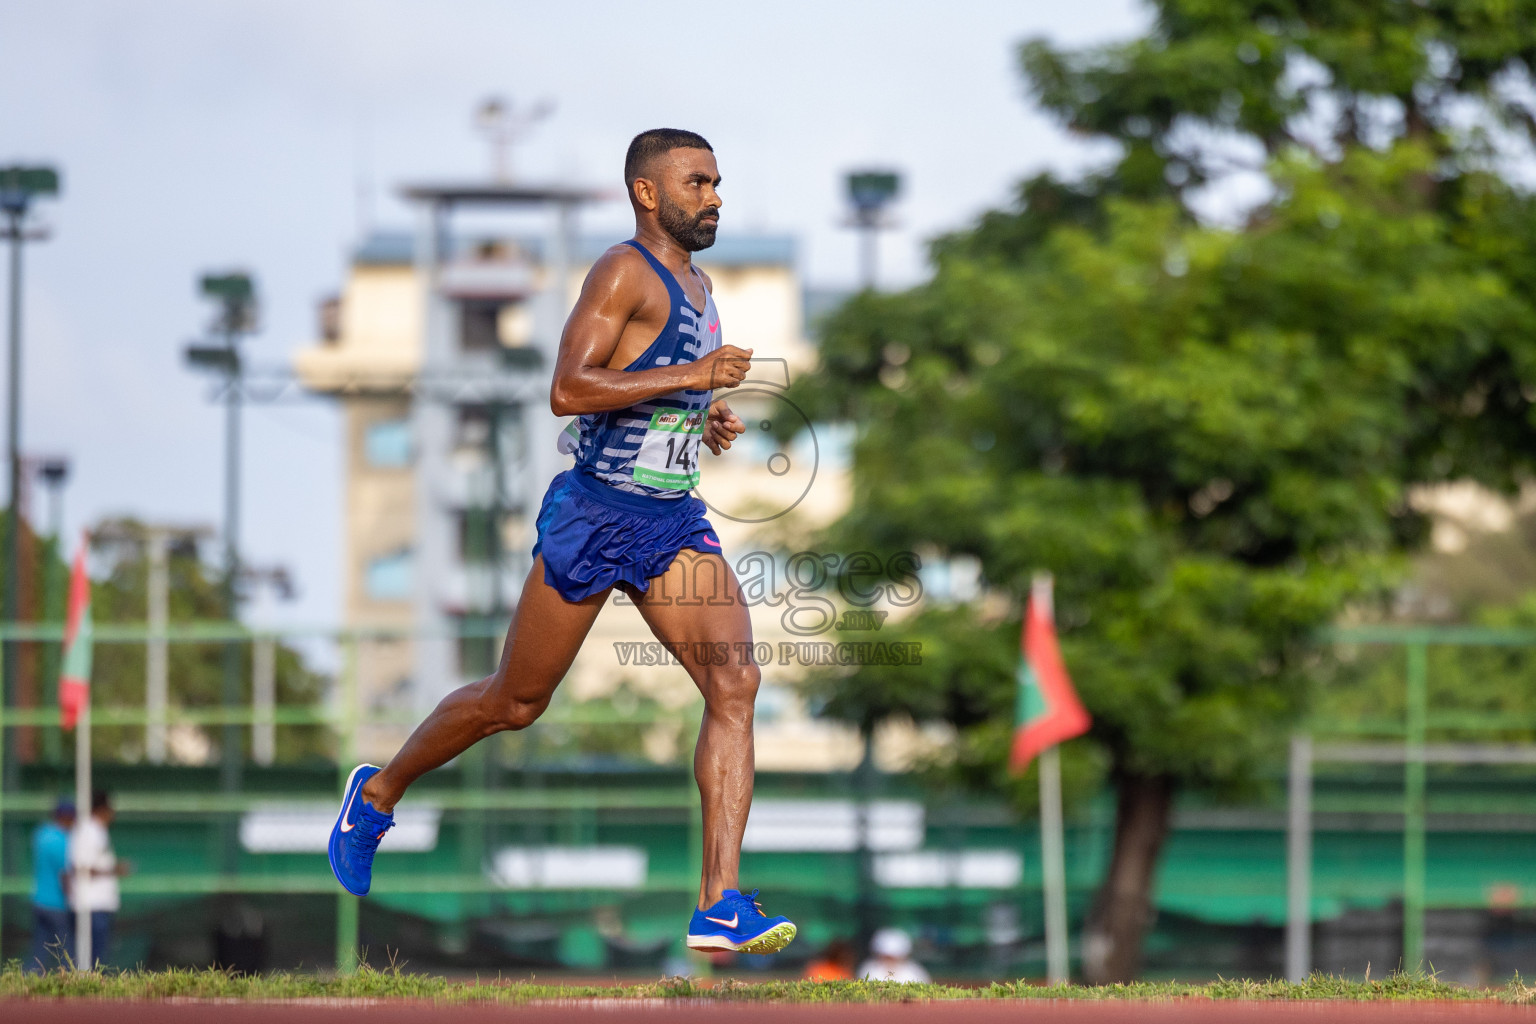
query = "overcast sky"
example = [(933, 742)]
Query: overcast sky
[(262, 133)]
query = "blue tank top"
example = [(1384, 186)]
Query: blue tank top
[(652, 447)]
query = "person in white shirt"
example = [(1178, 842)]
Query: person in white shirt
[(94, 871), (890, 958)]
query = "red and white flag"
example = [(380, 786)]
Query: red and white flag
[(75, 678), (1047, 711)]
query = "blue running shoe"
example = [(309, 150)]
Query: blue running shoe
[(356, 834), (737, 923)]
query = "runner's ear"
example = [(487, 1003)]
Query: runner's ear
[(643, 192)]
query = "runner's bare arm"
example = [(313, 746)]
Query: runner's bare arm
[(611, 296)]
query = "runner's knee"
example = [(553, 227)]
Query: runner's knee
[(518, 714), (732, 689)]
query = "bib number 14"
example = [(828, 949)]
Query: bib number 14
[(669, 455)]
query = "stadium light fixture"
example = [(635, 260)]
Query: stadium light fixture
[(871, 192), (20, 185), (219, 358)]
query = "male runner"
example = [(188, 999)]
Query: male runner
[(639, 359)]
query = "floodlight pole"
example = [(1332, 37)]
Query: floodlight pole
[(18, 187), (229, 770), (14, 214), (869, 252), (231, 742), (236, 298), (871, 192)]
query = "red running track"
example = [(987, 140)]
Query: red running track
[(81, 1011)]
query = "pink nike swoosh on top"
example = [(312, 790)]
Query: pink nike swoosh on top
[(714, 326), (714, 544)]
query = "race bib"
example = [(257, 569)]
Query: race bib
[(669, 455), (570, 438)]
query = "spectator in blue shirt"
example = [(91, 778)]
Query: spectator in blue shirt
[(52, 923)]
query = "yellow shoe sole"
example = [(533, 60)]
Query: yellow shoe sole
[(771, 941)]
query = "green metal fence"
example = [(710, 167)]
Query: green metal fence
[(667, 796), (343, 718), (1414, 728)]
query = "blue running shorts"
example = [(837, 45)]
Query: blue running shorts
[(593, 536)]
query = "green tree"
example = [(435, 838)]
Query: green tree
[(1208, 434), (195, 670), (1493, 686), (120, 595)]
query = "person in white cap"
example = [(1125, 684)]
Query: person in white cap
[(890, 958)]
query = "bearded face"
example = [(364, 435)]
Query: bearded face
[(691, 231)]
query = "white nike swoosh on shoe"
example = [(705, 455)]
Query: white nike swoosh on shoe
[(347, 826), (735, 919)]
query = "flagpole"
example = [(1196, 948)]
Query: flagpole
[(1053, 867), (1053, 856), (83, 951), (75, 713), (1048, 713)]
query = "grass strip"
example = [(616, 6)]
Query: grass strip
[(395, 983)]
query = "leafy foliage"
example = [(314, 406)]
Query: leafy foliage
[(1208, 433), (119, 594), (1473, 693), (1218, 84), (195, 670)]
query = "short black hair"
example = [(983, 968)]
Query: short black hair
[(99, 800), (647, 146)]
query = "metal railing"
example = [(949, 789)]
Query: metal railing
[(1414, 753), (344, 719)]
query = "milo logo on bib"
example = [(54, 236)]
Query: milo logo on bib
[(669, 455)]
